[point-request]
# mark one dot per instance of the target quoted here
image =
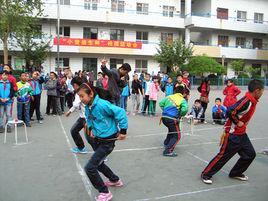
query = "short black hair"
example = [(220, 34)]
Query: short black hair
[(254, 85), (6, 72), (77, 80), (155, 77), (230, 80), (218, 99), (179, 89), (126, 66), (179, 75), (100, 73), (22, 72), (197, 101)]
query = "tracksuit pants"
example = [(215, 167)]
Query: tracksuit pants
[(76, 128), (173, 136), (35, 106), (232, 145), (145, 104), (152, 107), (96, 164)]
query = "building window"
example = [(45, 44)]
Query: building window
[(257, 43), (223, 40), (168, 11), (167, 37), (64, 31), (242, 16), (141, 65), (118, 6), (116, 34), (63, 62), (90, 64), (90, 33), (258, 18), (64, 2), (241, 42), (142, 37), (91, 4), (222, 13), (143, 8), (116, 63)]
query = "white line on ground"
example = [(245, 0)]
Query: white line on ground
[(84, 178), (182, 145), (194, 192), (203, 160), (155, 134)]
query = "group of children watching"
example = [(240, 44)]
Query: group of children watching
[(27, 92), (219, 109)]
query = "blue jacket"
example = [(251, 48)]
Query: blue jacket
[(125, 91), (36, 86), (169, 89), (6, 92), (103, 118), (222, 108)]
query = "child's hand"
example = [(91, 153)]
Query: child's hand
[(121, 136), (240, 124), (68, 114), (103, 62), (32, 98)]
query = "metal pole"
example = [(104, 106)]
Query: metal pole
[(58, 33)]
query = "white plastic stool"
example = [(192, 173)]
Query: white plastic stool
[(15, 123)]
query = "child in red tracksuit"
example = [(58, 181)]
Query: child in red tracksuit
[(237, 141), (231, 92)]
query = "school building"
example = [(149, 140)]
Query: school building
[(130, 30)]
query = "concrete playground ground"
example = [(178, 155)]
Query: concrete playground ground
[(45, 170)]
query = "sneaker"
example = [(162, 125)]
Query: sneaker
[(205, 122), (133, 113), (40, 122), (119, 183), (172, 154), (76, 150), (214, 123), (206, 179), (241, 177), (104, 196), (2, 130), (28, 125), (32, 119)]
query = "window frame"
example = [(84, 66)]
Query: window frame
[(258, 20), (140, 68), (240, 42), (143, 7), (142, 37), (167, 37), (115, 62), (118, 33), (89, 35), (168, 11), (222, 42), (240, 18), (118, 6), (65, 2)]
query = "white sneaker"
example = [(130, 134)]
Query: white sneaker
[(40, 122), (242, 177), (206, 180)]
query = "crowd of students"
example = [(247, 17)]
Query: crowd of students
[(103, 113)]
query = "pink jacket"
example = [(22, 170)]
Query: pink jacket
[(154, 88)]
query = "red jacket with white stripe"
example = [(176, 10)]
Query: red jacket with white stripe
[(242, 110)]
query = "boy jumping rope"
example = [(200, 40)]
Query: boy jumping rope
[(174, 107), (237, 141)]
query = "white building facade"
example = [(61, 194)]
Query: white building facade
[(129, 31)]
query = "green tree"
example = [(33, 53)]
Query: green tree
[(173, 54), (34, 44), (15, 14), (203, 64), (238, 66)]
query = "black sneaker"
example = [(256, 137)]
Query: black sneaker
[(206, 179), (172, 154), (241, 177), (32, 119)]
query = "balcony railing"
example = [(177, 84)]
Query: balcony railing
[(209, 15), (201, 43), (104, 10)]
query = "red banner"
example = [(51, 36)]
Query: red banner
[(97, 43)]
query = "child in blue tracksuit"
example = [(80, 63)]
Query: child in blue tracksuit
[(103, 119), (36, 84), (219, 112), (124, 96), (168, 87), (6, 101)]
